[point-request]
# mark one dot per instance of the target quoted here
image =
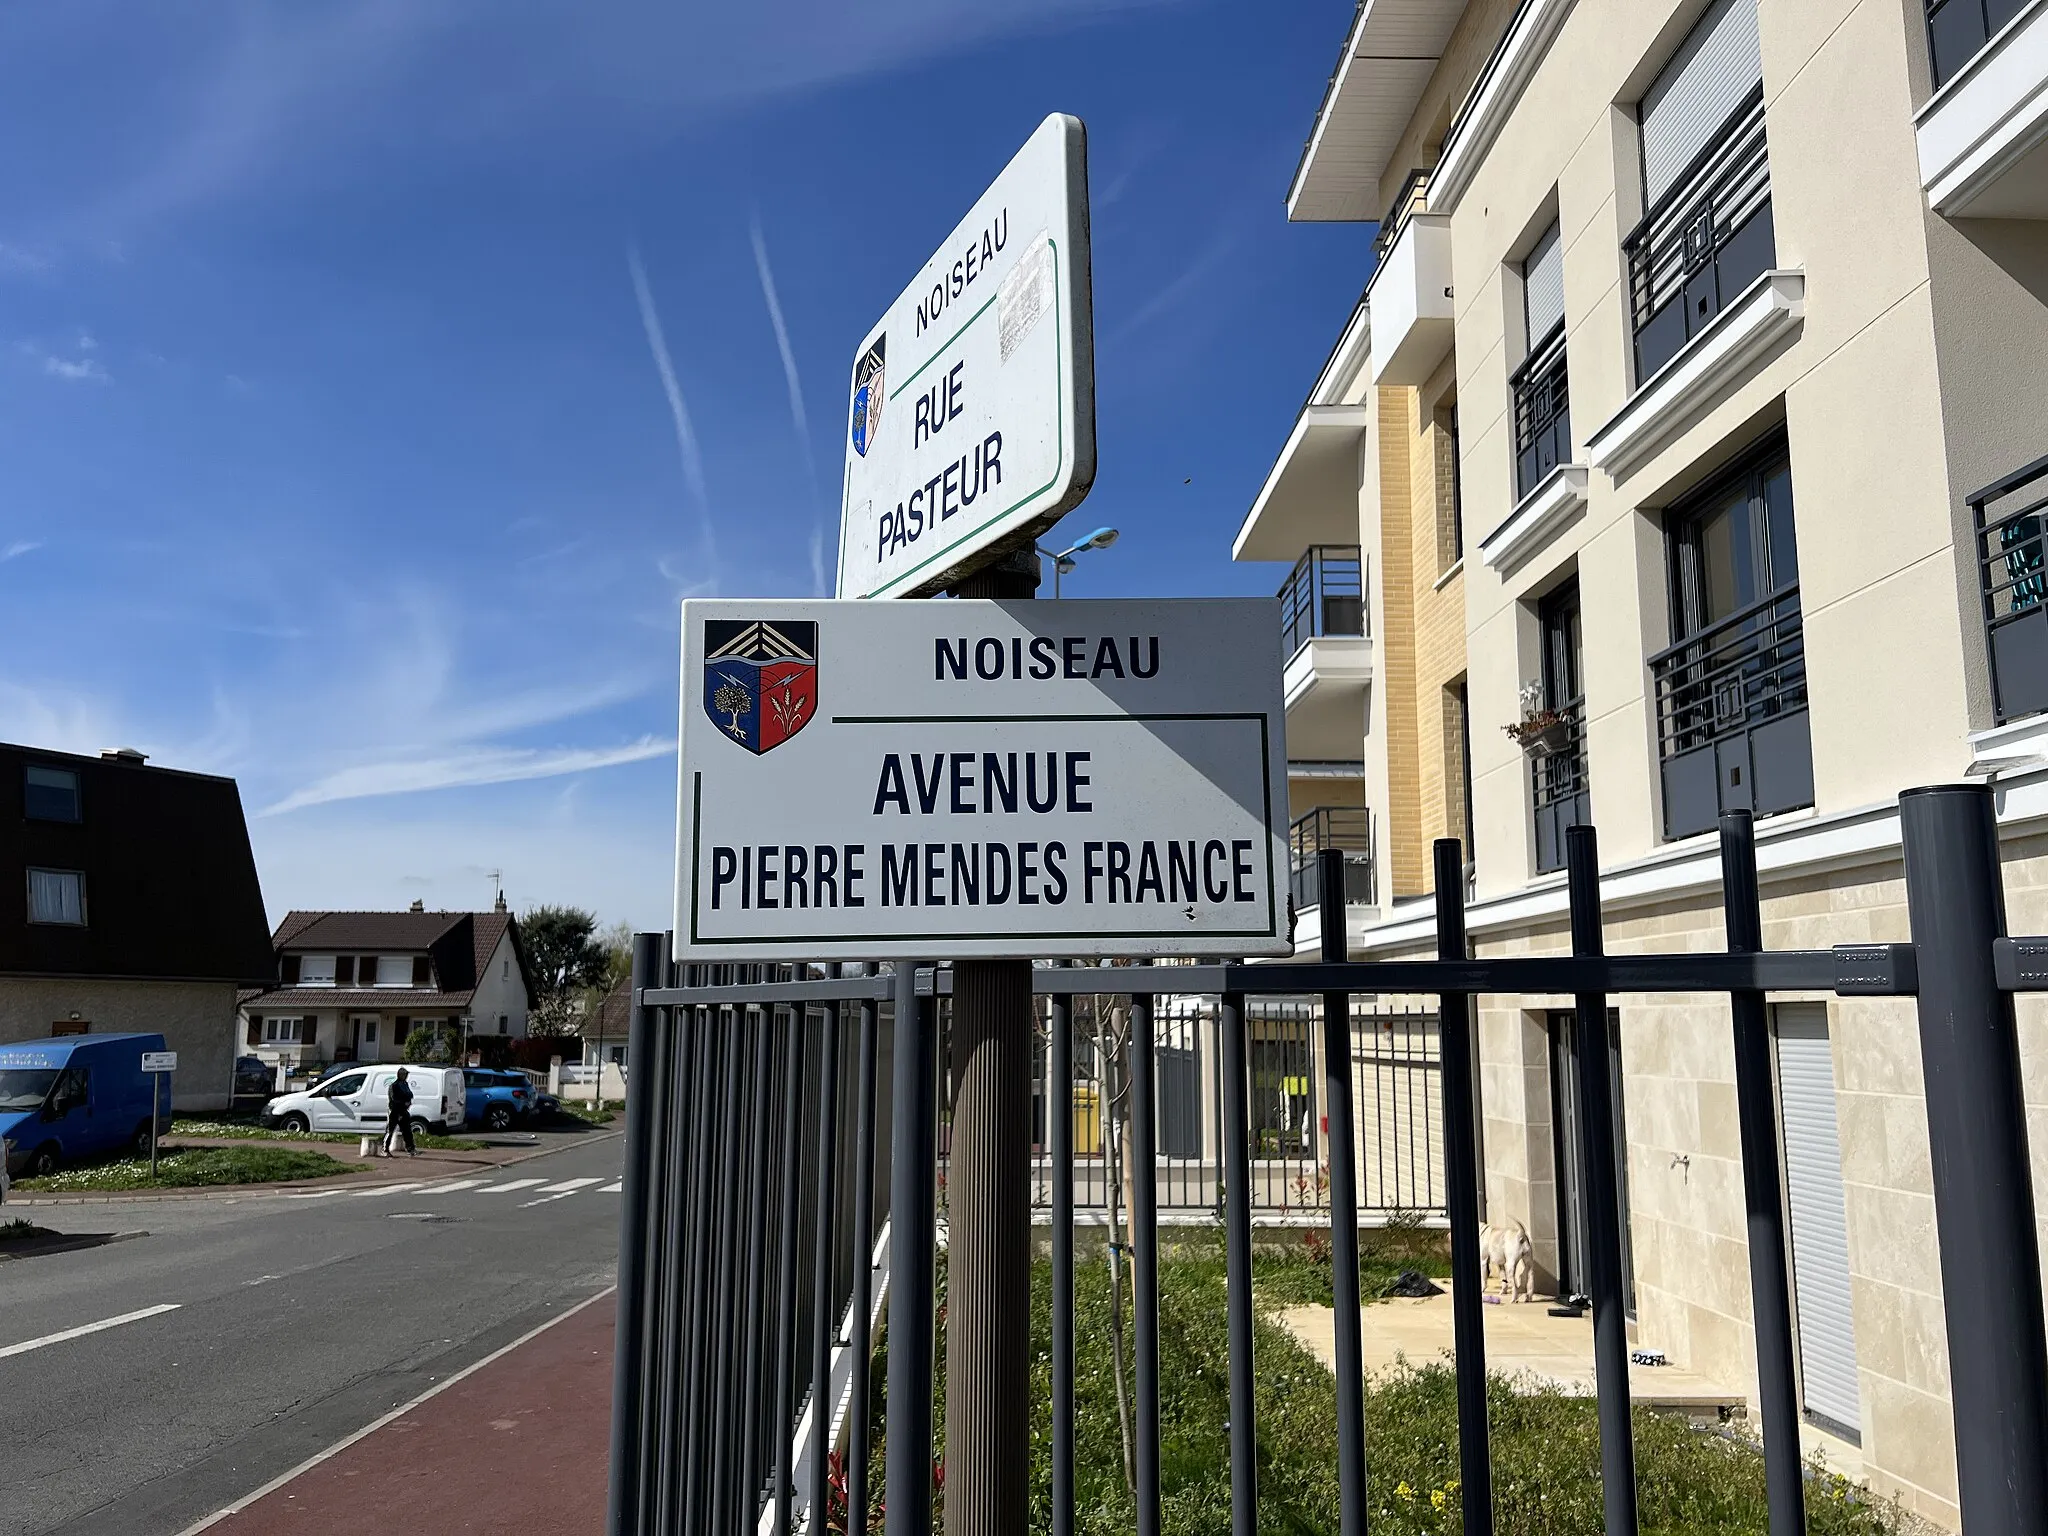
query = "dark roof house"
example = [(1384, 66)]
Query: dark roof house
[(448, 953)]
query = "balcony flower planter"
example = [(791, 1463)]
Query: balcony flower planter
[(1544, 733)]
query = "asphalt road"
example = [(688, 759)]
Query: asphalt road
[(290, 1324)]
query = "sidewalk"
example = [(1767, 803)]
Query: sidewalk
[(521, 1445)]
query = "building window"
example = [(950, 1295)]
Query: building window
[(1558, 789), (400, 1028), (1958, 29), (284, 1031), (316, 970), (393, 971), (504, 1024), (422, 971), (56, 896), (1543, 422), (505, 970), (2013, 575), (1707, 233), (1731, 689), (370, 1031), (50, 794), (344, 970), (1450, 511)]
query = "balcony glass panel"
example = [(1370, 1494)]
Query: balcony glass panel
[(1704, 241), (1543, 418), (1331, 826), (1957, 31), (1323, 595), (2009, 519)]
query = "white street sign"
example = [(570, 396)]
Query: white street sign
[(866, 781), (971, 415), (159, 1061)]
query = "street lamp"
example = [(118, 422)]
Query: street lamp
[(1063, 563)]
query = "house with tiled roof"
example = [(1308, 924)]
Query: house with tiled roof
[(353, 986)]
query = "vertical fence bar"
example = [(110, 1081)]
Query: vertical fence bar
[(1059, 1110), (1237, 1219), (824, 1318), (786, 1247), (1461, 1198), (671, 1339), (1145, 1263), (1597, 1133), (756, 1171), (1977, 1133), (913, 1169), (1343, 1148), (859, 1445), (703, 1209), (1757, 1110), (629, 1422), (735, 1029)]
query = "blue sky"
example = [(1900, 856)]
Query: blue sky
[(334, 451)]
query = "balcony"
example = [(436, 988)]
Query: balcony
[(1558, 795), (1983, 135), (1311, 493), (1410, 291), (2013, 575), (1331, 826), (1326, 638), (1731, 717), (1543, 412)]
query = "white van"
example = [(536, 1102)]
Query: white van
[(357, 1100)]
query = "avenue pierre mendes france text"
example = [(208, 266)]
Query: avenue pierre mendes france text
[(888, 780)]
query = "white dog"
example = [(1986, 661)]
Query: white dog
[(1505, 1246)]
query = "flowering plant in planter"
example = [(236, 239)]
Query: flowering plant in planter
[(1541, 731)]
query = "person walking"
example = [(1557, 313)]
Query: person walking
[(400, 1122)]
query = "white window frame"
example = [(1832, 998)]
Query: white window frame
[(310, 967), (394, 971), (75, 875), (280, 1031)]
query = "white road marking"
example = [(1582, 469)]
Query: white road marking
[(318, 1194), (78, 1333), (395, 1414), (386, 1189), (616, 1188), (508, 1186), (567, 1186), (449, 1189)]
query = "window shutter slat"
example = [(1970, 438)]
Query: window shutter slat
[(1713, 70), (1543, 286)]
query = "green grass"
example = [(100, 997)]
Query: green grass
[(18, 1231), (1545, 1445), (242, 1130), (189, 1168), (602, 1115)]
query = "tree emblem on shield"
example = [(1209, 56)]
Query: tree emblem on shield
[(760, 679)]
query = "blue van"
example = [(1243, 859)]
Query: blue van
[(77, 1096)]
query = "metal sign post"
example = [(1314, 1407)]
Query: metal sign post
[(156, 1064)]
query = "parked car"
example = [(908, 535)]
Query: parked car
[(358, 1101), (496, 1099), (254, 1078), (76, 1096)]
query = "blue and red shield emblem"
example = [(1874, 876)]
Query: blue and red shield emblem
[(760, 679), (868, 376)]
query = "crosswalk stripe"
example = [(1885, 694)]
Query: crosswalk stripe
[(385, 1189), (567, 1186), (617, 1188), (508, 1186), (317, 1194), (449, 1189)]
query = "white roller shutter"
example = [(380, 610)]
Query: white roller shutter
[(1717, 65), (1820, 1233), (1543, 286)]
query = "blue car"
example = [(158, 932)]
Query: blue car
[(496, 1099), (77, 1096)]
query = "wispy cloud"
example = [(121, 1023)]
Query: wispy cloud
[(450, 770), (83, 370), (20, 261), (678, 407), (19, 548), (796, 393), (1183, 287)]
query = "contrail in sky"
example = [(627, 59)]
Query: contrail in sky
[(686, 435), (796, 389)]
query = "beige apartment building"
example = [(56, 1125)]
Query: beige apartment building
[(1690, 445)]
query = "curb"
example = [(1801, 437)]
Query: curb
[(252, 1191)]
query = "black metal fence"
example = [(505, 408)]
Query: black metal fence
[(750, 1254), (1323, 595), (2012, 570), (1543, 411)]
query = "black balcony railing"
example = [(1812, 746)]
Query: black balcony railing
[(1705, 240), (1323, 595), (1413, 198), (1557, 791), (1958, 29), (1731, 717), (2012, 565), (1543, 412), (1347, 828)]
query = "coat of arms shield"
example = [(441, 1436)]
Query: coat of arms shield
[(760, 679), (868, 375)]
